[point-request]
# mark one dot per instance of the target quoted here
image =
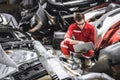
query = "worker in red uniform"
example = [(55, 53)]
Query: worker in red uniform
[(79, 31)]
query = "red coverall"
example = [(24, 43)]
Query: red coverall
[(74, 32)]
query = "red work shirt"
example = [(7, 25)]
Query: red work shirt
[(75, 33)]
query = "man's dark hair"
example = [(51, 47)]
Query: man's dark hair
[(78, 16)]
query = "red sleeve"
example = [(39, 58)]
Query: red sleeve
[(92, 34), (69, 34)]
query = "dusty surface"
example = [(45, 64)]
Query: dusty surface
[(47, 77)]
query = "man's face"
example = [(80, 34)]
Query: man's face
[(80, 24)]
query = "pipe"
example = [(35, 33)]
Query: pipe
[(51, 63), (91, 76)]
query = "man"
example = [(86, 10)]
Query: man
[(78, 32)]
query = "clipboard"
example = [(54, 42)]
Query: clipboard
[(83, 47)]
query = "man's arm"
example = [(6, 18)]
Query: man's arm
[(70, 41), (68, 36)]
